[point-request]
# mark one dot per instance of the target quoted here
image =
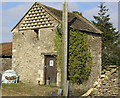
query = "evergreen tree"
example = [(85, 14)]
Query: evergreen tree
[(109, 36)]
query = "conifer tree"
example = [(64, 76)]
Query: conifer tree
[(109, 36)]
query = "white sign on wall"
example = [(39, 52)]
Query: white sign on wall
[(51, 62)]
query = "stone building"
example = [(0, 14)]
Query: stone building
[(5, 56), (33, 50)]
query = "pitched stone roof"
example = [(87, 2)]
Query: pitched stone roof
[(74, 20), (5, 49)]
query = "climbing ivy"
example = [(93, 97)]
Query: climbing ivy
[(79, 57), (80, 61), (58, 45)]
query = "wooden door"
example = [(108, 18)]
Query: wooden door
[(50, 69)]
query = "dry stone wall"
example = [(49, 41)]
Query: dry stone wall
[(108, 84), (6, 63)]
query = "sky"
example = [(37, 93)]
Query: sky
[(12, 12)]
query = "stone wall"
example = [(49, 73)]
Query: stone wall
[(0, 65), (30, 45), (108, 84), (28, 58), (95, 47), (94, 43), (28, 52), (6, 63)]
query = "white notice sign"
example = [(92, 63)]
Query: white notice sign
[(51, 62)]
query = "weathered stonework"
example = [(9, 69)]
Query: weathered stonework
[(29, 47), (27, 52), (108, 84), (94, 44), (33, 39), (6, 63), (95, 47)]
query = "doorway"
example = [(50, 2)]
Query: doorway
[(50, 71)]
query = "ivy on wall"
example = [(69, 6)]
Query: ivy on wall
[(79, 57), (58, 46), (80, 61)]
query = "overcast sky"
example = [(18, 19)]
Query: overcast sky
[(12, 12)]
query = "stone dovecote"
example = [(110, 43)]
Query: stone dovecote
[(37, 17), (33, 43)]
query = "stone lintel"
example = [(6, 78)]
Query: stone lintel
[(49, 53)]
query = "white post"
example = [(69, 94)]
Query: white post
[(65, 42)]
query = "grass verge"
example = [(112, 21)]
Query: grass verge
[(22, 89)]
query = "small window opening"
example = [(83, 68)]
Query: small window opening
[(38, 82), (48, 78), (22, 33), (37, 33)]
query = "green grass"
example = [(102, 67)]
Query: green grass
[(22, 89), (9, 85)]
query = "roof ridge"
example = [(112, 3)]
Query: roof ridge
[(79, 23), (87, 21)]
